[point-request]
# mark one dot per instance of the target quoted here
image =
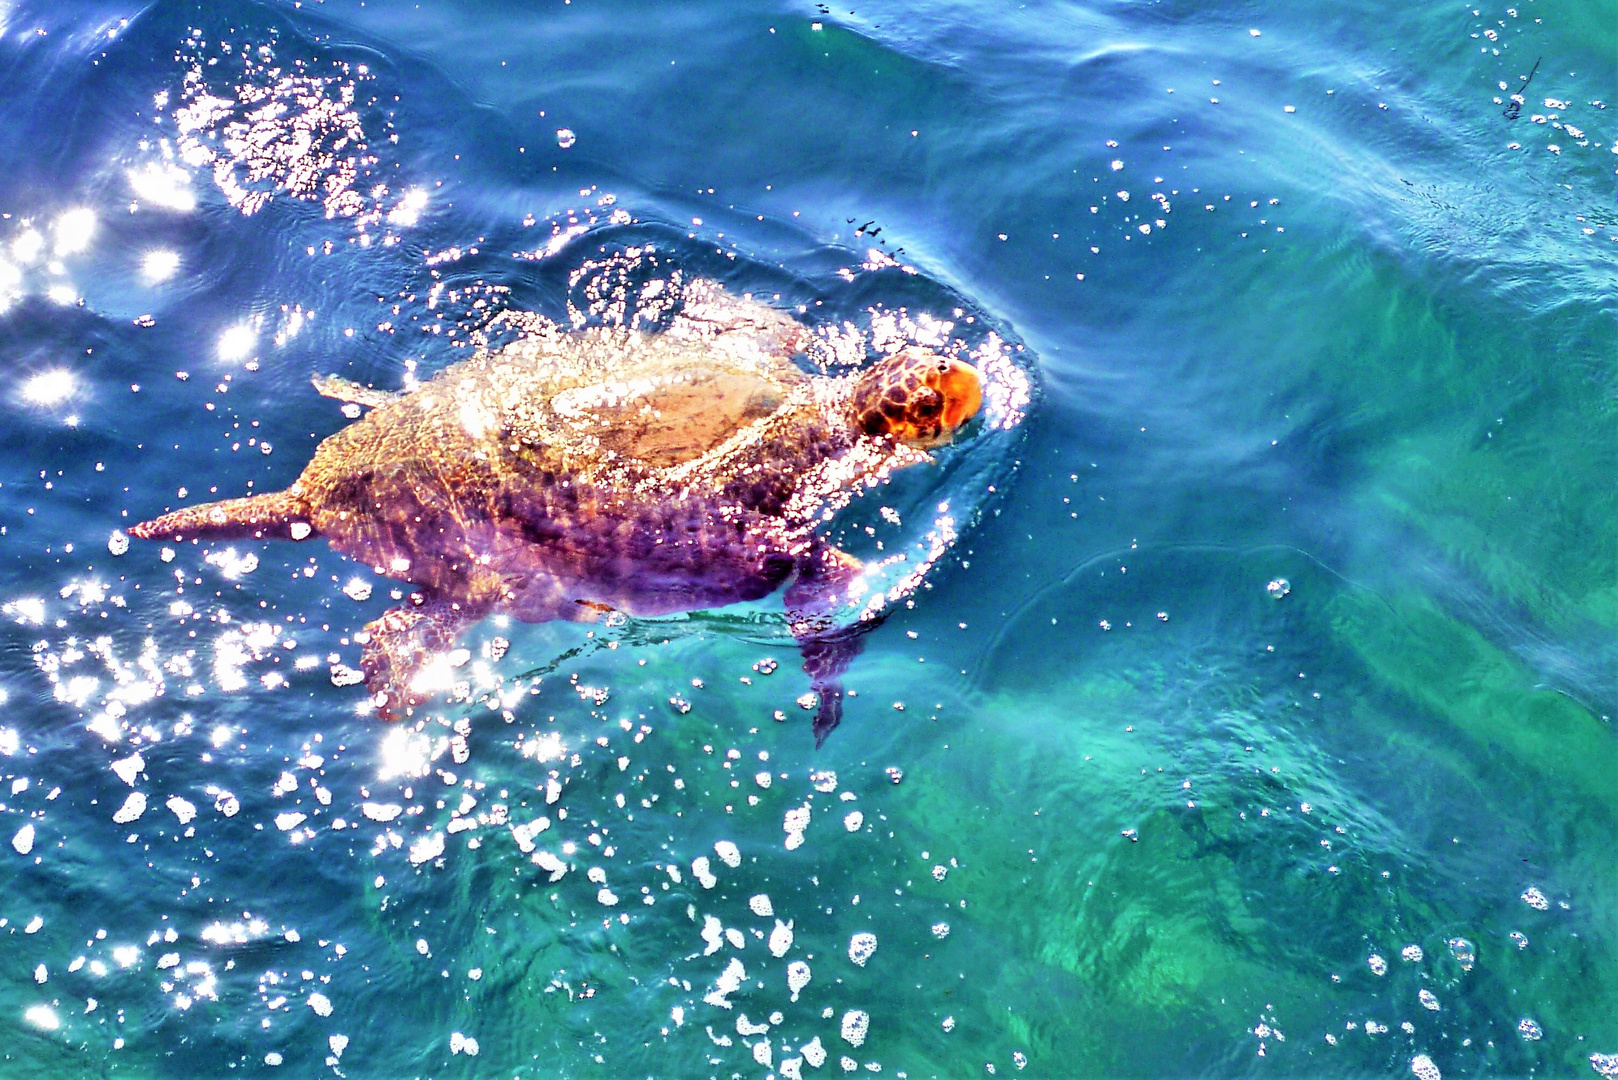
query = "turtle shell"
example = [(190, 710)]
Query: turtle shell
[(663, 415), (613, 397), (603, 408)]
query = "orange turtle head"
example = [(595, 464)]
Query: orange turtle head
[(916, 397)]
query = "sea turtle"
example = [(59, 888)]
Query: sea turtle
[(572, 473)]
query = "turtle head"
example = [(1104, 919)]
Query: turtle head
[(916, 396)]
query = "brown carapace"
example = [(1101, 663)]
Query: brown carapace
[(575, 473)]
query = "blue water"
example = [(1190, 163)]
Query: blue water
[(1257, 722)]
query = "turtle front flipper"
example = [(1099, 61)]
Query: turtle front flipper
[(334, 386), (407, 657), (826, 656), (812, 602), (737, 323)]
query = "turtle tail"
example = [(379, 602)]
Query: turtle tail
[(277, 514)]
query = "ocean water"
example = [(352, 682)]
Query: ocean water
[(1255, 718)]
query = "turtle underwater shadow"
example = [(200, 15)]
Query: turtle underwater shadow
[(575, 473)]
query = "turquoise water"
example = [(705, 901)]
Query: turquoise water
[(1258, 722)]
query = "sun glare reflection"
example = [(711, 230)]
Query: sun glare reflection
[(50, 387), (404, 753), (237, 342), (408, 212), (163, 184), (74, 230), (28, 246), (156, 266)]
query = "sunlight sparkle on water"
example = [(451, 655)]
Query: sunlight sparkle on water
[(50, 387), (404, 753), (160, 265), (438, 671), (408, 212), (237, 342), (547, 747), (165, 185), (42, 1017), (27, 247), (74, 230)]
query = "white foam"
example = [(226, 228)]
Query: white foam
[(131, 810)]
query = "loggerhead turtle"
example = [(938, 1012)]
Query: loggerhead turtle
[(573, 473)]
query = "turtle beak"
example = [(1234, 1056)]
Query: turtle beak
[(962, 392)]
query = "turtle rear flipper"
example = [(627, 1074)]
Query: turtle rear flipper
[(276, 513), (346, 390)]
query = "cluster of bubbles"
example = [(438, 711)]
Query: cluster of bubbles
[(292, 129)]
